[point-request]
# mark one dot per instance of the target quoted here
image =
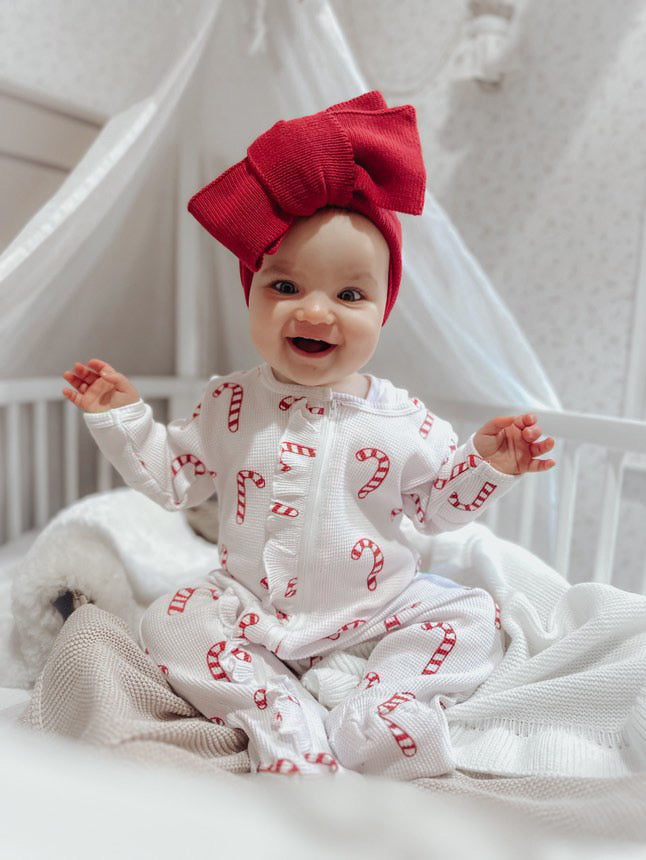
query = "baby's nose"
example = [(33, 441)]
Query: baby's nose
[(315, 310)]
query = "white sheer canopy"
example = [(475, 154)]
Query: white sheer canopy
[(114, 265)]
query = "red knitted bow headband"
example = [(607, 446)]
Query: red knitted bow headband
[(359, 155)]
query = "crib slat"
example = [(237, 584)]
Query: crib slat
[(13, 460), (527, 511), (71, 455), (41, 464), (569, 475), (609, 521), (103, 474)]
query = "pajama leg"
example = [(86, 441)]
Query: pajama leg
[(439, 646), (192, 637)]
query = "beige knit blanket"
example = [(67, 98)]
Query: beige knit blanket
[(98, 687)]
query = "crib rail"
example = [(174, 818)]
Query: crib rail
[(620, 445), (49, 462), (42, 435)]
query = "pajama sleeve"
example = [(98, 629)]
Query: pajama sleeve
[(168, 464), (453, 485)]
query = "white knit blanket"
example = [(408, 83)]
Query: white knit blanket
[(568, 699)]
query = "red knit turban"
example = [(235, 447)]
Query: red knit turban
[(359, 155)]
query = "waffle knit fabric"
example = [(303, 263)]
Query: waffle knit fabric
[(313, 487)]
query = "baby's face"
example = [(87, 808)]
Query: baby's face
[(316, 306)]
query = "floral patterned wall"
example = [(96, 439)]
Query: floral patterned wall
[(544, 176)]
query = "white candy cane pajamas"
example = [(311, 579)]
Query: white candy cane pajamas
[(313, 486)]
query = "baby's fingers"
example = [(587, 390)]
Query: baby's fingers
[(537, 449)]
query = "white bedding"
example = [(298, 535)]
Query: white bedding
[(568, 699)]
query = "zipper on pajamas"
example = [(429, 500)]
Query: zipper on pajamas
[(312, 518)]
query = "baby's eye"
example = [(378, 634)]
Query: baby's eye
[(350, 295), (285, 287)]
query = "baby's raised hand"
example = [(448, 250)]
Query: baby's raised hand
[(512, 444), (97, 387)]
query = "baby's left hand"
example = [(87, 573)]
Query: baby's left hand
[(511, 444)]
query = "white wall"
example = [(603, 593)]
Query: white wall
[(545, 177)]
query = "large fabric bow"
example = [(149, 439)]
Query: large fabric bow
[(359, 155)]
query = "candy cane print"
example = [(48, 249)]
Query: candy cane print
[(293, 448), (247, 620), (224, 557), (283, 510), (290, 591), (498, 622), (443, 649), (179, 600), (260, 699), (391, 623), (383, 467), (378, 559), (393, 702), (358, 622), (245, 475), (324, 759), (372, 678), (427, 423), (485, 491), (283, 765), (213, 662), (404, 741), (240, 654), (189, 460), (235, 405), (470, 463), (419, 510), (287, 403)]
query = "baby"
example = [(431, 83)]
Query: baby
[(316, 464)]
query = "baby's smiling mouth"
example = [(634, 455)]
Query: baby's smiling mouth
[(311, 346)]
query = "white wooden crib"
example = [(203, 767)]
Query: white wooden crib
[(49, 461)]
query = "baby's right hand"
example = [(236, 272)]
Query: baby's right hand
[(98, 387)]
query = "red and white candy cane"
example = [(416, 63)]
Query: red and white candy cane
[(470, 463), (213, 662), (283, 765), (383, 467), (290, 590), (247, 620), (235, 405), (498, 622), (377, 556), (294, 448), (427, 423), (260, 699), (224, 557), (245, 475), (287, 403), (404, 741), (242, 655), (443, 649), (189, 460), (284, 510), (358, 622), (391, 623), (485, 491), (179, 600), (419, 510), (372, 678), (324, 759)]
